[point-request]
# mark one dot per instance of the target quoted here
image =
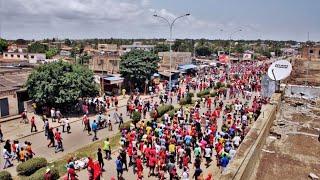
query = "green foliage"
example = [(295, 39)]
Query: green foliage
[(3, 45), (213, 94), (67, 42), (83, 59), (51, 52), (5, 175), (161, 48), (137, 66), (187, 99), (219, 85), (39, 174), (21, 42), (60, 84), (136, 116), (203, 93), (163, 109), (203, 51), (30, 166), (37, 48)]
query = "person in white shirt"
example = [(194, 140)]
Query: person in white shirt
[(185, 174), (207, 155), (236, 141)]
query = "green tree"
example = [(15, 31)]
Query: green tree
[(37, 48), (60, 84), (67, 42), (161, 48), (3, 45), (21, 42), (137, 66), (203, 51), (51, 52)]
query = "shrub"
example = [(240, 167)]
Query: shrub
[(213, 94), (39, 175), (136, 116), (190, 94), (203, 93), (218, 85), (163, 109), (186, 100), (5, 175), (32, 165)]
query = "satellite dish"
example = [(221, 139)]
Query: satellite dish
[(279, 70)]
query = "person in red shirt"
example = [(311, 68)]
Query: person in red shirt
[(72, 173), (139, 166), (152, 165), (33, 124), (185, 161)]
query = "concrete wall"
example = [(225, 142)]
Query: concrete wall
[(248, 153), (295, 90)]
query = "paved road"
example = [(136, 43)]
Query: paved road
[(73, 141)]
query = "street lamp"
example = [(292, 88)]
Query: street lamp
[(170, 40)]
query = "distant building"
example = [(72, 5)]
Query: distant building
[(136, 45), (108, 47), (32, 58), (312, 53), (17, 48), (108, 62), (178, 59)]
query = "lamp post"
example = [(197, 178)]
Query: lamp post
[(230, 36), (170, 40)]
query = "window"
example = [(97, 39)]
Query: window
[(311, 51), (32, 57), (6, 55), (25, 56), (12, 55), (18, 55), (319, 52)]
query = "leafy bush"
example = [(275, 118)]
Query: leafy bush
[(163, 109), (213, 94), (203, 93), (30, 166), (190, 94), (136, 116), (5, 175), (186, 100), (39, 175)]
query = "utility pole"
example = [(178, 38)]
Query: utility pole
[(309, 59)]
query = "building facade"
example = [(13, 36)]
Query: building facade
[(30, 57), (107, 62), (178, 59), (12, 95), (312, 53)]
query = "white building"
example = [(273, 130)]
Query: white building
[(136, 45), (30, 57)]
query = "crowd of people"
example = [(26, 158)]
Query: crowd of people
[(207, 133), (195, 138)]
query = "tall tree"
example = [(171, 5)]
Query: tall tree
[(203, 51), (3, 45), (137, 66), (37, 48), (60, 84)]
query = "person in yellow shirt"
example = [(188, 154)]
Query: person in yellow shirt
[(22, 155), (148, 129), (172, 150)]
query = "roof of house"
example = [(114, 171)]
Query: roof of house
[(12, 79)]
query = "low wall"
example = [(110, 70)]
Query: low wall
[(309, 91), (240, 168)]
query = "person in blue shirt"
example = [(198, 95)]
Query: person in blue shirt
[(94, 127), (119, 167), (224, 162)]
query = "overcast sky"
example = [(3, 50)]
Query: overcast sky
[(264, 19)]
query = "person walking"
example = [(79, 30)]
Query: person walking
[(33, 124), (94, 128), (6, 157), (120, 120), (119, 167), (51, 138), (107, 148), (100, 158)]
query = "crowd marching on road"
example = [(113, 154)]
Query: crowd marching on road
[(189, 144)]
